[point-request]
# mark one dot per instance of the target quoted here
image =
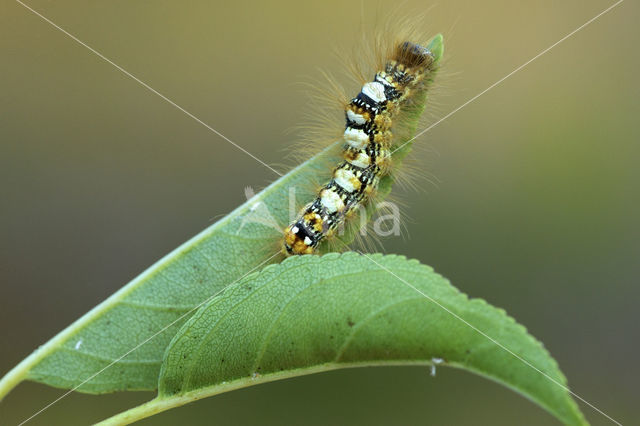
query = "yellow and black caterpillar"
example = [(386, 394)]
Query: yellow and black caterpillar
[(367, 147)]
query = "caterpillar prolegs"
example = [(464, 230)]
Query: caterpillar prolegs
[(367, 148)]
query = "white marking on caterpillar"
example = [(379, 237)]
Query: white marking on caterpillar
[(356, 118), (375, 91), (331, 201), (356, 138), (345, 178), (362, 160)]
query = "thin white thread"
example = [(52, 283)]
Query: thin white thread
[(146, 340), (508, 75), (127, 73), (500, 345)]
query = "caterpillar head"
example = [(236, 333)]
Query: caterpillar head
[(413, 55)]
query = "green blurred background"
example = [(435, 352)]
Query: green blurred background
[(536, 207)]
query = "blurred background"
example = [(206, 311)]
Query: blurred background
[(535, 210)]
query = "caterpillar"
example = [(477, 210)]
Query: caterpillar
[(367, 147)]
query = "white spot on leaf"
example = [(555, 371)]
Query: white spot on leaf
[(434, 362)]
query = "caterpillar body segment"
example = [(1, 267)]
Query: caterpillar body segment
[(368, 140)]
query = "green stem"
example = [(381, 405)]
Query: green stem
[(15, 376), (160, 404)]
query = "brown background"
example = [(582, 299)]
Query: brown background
[(536, 209)]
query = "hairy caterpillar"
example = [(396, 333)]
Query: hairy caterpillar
[(368, 143)]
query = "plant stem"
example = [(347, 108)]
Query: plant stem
[(160, 404), (15, 376)]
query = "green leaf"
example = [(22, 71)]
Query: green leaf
[(165, 295), (312, 314)]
